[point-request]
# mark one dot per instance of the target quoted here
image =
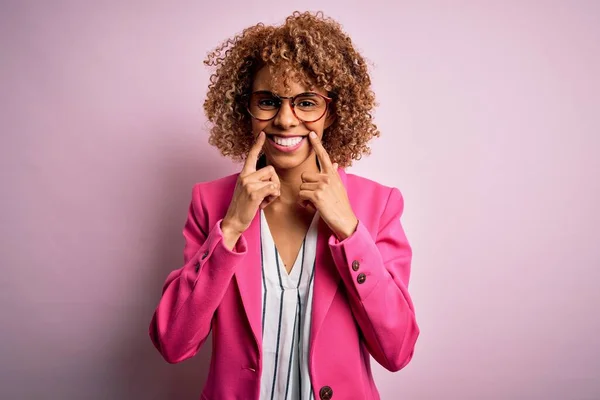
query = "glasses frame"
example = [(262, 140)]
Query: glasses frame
[(247, 96)]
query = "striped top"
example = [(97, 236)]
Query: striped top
[(286, 310)]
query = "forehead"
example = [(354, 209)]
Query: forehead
[(284, 85)]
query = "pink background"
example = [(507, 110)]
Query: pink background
[(489, 114)]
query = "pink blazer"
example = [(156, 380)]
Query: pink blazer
[(361, 304)]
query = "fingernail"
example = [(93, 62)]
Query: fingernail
[(313, 135)]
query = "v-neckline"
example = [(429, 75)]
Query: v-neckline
[(279, 260)]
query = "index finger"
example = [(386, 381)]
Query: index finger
[(321, 153), (252, 158)]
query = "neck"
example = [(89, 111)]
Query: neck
[(291, 179)]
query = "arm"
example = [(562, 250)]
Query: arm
[(192, 293), (381, 304)]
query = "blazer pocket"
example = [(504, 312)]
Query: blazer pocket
[(247, 381)]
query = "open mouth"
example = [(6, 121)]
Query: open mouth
[(286, 141), (286, 144)]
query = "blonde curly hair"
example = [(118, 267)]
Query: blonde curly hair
[(308, 47)]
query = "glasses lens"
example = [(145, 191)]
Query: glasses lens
[(310, 107), (263, 105)]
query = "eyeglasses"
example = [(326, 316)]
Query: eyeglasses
[(307, 107)]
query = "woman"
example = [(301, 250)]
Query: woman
[(299, 269)]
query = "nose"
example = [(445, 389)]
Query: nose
[(285, 118)]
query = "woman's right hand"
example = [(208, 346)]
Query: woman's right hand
[(253, 189)]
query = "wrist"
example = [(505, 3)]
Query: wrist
[(229, 227), (230, 234), (348, 230)]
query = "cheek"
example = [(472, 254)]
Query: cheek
[(258, 126), (317, 127)]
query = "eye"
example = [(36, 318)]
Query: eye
[(268, 102), (306, 103)]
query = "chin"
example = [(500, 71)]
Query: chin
[(287, 162)]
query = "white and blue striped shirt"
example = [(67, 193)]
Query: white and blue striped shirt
[(286, 310)]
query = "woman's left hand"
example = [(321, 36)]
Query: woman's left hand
[(326, 193)]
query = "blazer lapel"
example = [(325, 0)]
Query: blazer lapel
[(248, 278), (327, 277), (326, 280)]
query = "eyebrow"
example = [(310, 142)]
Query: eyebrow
[(308, 93)]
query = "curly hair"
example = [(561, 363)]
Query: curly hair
[(308, 47)]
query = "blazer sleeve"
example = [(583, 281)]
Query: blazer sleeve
[(376, 272), (191, 294)]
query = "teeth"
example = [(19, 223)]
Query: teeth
[(287, 142)]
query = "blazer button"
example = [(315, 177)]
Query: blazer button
[(205, 255), (355, 265), (197, 266), (326, 393), (361, 278)]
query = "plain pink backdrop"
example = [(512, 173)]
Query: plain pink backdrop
[(490, 128)]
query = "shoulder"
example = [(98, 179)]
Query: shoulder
[(213, 197), (369, 189), (373, 198)]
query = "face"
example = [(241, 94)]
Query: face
[(287, 145)]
